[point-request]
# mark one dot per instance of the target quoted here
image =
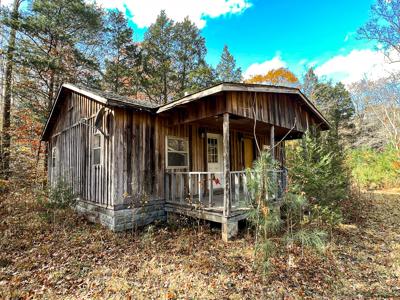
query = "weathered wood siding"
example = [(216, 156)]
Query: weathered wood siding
[(281, 110), (73, 141), (132, 168), (139, 147)]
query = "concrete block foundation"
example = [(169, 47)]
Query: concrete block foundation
[(122, 218)]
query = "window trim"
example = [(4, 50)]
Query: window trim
[(184, 139), (96, 148)]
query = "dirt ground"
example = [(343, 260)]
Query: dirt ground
[(63, 256)]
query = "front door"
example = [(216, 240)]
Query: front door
[(248, 152), (214, 158)]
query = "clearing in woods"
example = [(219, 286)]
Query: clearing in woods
[(63, 256)]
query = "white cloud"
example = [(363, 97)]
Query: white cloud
[(6, 2), (144, 12), (262, 68), (356, 65)]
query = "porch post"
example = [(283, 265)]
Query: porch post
[(272, 142), (226, 167), (229, 228)]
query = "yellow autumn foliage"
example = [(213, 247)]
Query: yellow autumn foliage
[(275, 76)]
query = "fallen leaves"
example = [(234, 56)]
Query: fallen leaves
[(71, 258)]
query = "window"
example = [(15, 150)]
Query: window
[(53, 157), (96, 149), (70, 112), (177, 152), (212, 150)]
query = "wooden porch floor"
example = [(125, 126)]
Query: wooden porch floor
[(203, 210)]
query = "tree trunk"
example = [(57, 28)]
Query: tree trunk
[(50, 93), (5, 132), (165, 92), (50, 96)]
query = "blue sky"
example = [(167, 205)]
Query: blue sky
[(301, 29), (266, 34), (298, 30)]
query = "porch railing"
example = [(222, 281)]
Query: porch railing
[(194, 188), (205, 189)]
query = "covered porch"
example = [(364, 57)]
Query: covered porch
[(226, 127), (213, 186)]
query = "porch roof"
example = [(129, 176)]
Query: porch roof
[(243, 87)]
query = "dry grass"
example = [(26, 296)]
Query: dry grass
[(70, 258)]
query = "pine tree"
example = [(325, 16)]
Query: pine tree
[(58, 44), (189, 55), (201, 78), (335, 102), (310, 81), (13, 22), (226, 69), (123, 60), (158, 46)]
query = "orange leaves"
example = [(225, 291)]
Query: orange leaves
[(275, 77), (396, 165)]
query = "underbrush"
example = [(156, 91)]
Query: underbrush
[(294, 223), (375, 169), (54, 203)]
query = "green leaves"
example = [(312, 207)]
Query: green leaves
[(123, 58), (317, 169), (174, 59), (374, 169), (226, 69), (61, 195), (58, 42), (310, 238)]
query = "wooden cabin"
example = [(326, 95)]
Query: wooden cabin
[(131, 162)]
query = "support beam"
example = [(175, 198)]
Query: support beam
[(226, 167), (229, 229), (272, 142)]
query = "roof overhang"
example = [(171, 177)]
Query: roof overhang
[(244, 87)]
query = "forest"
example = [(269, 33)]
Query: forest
[(339, 237)]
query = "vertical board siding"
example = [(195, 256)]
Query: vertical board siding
[(144, 151), (73, 141), (132, 168), (278, 109)]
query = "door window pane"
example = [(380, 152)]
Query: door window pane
[(212, 150)]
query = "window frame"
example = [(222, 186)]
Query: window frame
[(53, 157), (97, 148), (214, 156), (186, 141)]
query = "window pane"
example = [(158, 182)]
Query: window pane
[(176, 145), (96, 140), (177, 159), (212, 150), (96, 156)]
